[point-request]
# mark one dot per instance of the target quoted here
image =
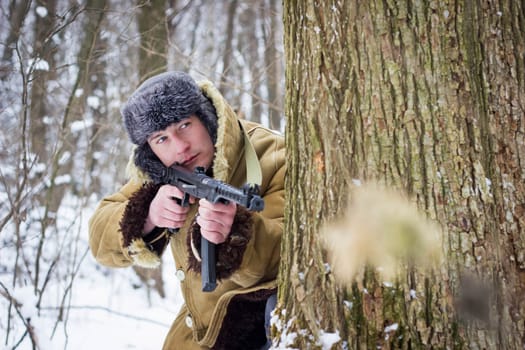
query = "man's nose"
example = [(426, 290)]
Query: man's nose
[(180, 145)]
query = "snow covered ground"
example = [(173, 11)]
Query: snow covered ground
[(110, 312), (109, 309)]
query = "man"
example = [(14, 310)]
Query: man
[(173, 120)]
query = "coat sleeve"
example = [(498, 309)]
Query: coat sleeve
[(115, 229), (261, 259)]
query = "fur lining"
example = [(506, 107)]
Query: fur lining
[(133, 172), (243, 326), (229, 135), (144, 250), (142, 255), (230, 253)]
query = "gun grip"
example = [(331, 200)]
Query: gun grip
[(209, 278)]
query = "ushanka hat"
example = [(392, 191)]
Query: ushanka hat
[(165, 99)]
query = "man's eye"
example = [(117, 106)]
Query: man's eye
[(161, 139), (184, 125)]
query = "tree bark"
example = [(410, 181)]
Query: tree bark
[(274, 69), (153, 38), (227, 53), (44, 51), (153, 59), (61, 161), (428, 98), (17, 14), (247, 44)]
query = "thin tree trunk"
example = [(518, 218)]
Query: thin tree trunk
[(153, 38), (228, 47), (97, 85), (17, 14), (152, 60), (247, 44), (68, 141), (44, 51), (274, 70)]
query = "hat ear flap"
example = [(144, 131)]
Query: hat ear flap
[(148, 162), (208, 116)]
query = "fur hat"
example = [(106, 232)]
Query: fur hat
[(165, 99)]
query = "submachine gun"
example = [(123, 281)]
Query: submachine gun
[(197, 184)]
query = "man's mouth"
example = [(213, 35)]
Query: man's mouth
[(188, 161)]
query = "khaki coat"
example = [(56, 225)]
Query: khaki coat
[(247, 263)]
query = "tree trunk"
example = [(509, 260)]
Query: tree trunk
[(153, 38), (274, 70), (17, 14), (44, 51), (97, 86), (247, 44), (153, 60), (428, 98), (76, 108), (227, 54), (62, 159)]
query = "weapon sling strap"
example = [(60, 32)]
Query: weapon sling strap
[(253, 168)]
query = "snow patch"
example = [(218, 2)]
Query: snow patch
[(41, 11)]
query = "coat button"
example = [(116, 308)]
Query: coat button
[(189, 321), (180, 275)]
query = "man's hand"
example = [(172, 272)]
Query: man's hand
[(216, 220), (165, 211)]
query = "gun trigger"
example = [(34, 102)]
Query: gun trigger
[(223, 201), (186, 200), (177, 200)]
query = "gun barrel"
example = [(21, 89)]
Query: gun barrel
[(199, 185)]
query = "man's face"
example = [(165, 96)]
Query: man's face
[(186, 143)]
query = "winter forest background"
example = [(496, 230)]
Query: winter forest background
[(424, 97), (66, 67)]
